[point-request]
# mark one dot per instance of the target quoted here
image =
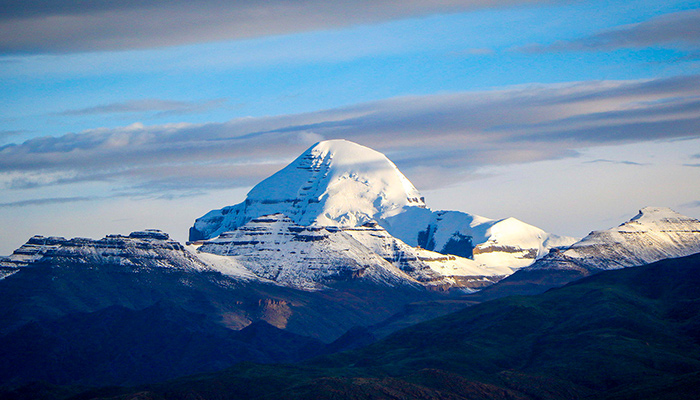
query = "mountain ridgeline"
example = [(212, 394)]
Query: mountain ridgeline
[(655, 233)]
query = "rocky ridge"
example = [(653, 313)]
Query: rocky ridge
[(654, 234), (148, 248)]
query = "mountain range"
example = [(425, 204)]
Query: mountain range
[(655, 233), (330, 253)]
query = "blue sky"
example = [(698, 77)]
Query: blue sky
[(123, 114)]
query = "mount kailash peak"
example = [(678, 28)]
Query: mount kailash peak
[(333, 183)]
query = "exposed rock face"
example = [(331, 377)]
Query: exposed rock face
[(149, 248)]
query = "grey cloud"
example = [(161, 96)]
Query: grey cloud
[(629, 131), (675, 29), (43, 8), (77, 199), (690, 56), (160, 106), (80, 25), (4, 134), (692, 204), (623, 162), (449, 134), (44, 201)]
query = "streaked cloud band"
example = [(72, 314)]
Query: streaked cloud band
[(58, 26), (453, 133)]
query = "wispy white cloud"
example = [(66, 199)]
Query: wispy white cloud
[(622, 162), (74, 25), (6, 134), (476, 51), (673, 30), (692, 204), (44, 201), (160, 107), (447, 134)]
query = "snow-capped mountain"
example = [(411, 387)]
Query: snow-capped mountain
[(507, 242), (337, 239), (357, 205), (654, 234), (333, 183)]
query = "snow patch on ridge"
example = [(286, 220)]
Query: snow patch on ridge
[(228, 266), (505, 243), (654, 234), (149, 248)]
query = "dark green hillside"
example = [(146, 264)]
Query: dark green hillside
[(631, 333), (51, 289), (107, 324), (120, 345)]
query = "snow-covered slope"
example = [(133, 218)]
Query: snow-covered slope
[(428, 267), (149, 248), (333, 183), (502, 243), (654, 234), (305, 257), (275, 248)]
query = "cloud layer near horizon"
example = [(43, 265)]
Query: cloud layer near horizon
[(157, 106), (57, 26), (434, 139), (679, 29)]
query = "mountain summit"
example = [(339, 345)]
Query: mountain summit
[(333, 183)]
